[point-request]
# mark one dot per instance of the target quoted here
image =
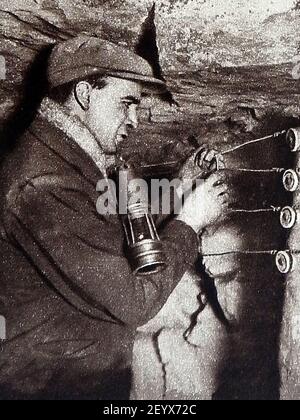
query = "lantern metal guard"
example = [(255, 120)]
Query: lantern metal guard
[(144, 248)]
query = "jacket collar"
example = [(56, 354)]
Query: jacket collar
[(75, 130)]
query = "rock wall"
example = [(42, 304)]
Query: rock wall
[(290, 336), (231, 349), (232, 70)]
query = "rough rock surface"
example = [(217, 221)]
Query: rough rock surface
[(232, 68), (290, 332)]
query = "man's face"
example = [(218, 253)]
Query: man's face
[(113, 112)]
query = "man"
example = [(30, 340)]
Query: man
[(68, 296)]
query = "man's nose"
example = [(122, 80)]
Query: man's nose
[(132, 120)]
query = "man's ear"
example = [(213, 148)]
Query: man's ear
[(82, 92)]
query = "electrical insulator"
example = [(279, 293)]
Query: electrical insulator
[(284, 262), (290, 180), (293, 139), (288, 217)]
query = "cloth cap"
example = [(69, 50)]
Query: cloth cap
[(84, 56)]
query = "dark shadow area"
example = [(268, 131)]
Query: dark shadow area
[(209, 288), (148, 49), (110, 385), (34, 89)]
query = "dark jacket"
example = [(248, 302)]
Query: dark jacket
[(71, 302)]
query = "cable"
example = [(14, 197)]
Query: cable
[(246, 252), (272, 252), (247, 143), (272, 209), (273, 136), (275, 170)]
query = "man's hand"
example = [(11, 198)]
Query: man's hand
[(207, 204), (201, 164)]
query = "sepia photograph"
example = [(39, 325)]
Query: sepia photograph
[(149, 202)]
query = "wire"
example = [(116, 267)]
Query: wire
[(272, 209), (273, 136), (272, 252), (246, 252), (275, 170), (247, 143)]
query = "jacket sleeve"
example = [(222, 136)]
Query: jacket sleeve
[(79, 253)]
